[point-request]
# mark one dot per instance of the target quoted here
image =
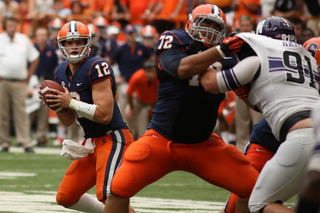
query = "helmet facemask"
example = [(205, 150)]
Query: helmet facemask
[(66, 51), (208, 36)]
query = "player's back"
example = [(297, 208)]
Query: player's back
[(184, 113), (287, 81), (91, 70)]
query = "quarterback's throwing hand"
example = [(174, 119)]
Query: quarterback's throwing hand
[(231, 45)]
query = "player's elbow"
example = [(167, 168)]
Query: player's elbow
[(104, 119)]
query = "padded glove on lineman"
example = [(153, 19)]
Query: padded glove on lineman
[(242, 92), (232, 44)]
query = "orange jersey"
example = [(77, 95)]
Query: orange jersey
[(219, 3), (101, 5), (146, 92), (242, 10), (136, 7), (169, 7)]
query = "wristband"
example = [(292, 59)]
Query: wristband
[(220, 51), (83, 109)]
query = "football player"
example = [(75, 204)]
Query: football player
[(284, 87), (180, 135), (262, 144), (90, 89), (309, 200)]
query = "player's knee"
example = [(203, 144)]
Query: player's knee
[(62, 199)]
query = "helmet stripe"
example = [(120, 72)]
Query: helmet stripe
[(215, 10), (73, 26)]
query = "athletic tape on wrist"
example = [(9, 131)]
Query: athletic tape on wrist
[(83, 109), (220, 51)]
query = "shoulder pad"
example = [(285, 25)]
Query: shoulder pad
[(173, 39)]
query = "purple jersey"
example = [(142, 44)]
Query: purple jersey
[(90, 70)]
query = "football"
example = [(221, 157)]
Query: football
[(45, 86)]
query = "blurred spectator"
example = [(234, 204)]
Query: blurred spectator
[(118, 14), (96, 48), (136, 11), (312, 13), (150, 37), (166, 12), (267, 6), (38, 11), (8, 8), (59, 9), (112, 43), (47, 64), (226, 118), (130, 58), (101, 23), (16, 50), (298, 29), (142, 96), (246, 118), (25, 24), (246, 24), (78, 12), (245, 7), (307, 33), (101, 7), (53, 27), (287, 9)]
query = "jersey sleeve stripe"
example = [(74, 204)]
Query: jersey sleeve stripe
[(176, 37), (230, 79)]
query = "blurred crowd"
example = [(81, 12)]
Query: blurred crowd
[(125, 32)]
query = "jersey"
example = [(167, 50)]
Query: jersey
[(286, 87), (261, 134), (90, 71), (184, 112)]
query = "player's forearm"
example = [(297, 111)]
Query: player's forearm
[(209, 81), (198, 63)]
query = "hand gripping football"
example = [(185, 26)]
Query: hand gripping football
[(45, 86)]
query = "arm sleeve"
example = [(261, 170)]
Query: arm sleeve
[(239, 75), (170, 61), (33, 52)]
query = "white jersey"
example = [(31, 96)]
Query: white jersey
[(284, 86)]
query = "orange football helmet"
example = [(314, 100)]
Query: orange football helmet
[(148, 31), (56, 23), (100, 21), (209, 36), (93, 29), (312, 45), (74, 30)]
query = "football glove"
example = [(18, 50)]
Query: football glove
[(232, 44), (242, 92)]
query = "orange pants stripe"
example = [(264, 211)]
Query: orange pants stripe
[(153, 156)]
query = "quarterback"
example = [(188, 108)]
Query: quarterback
[(90, 89)]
